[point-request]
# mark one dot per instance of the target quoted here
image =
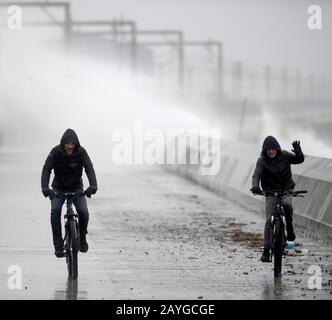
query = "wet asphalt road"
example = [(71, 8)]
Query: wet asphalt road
[(152, 235)]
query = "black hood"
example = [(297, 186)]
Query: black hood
[(270, 142), (70, 135)]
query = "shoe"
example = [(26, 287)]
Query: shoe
[(266, 255), (84, 247), (290, 245), (59, 253)]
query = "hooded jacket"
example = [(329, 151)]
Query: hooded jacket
[(68, 168), (275, 173)]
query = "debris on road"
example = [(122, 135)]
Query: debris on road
[(248, 238)]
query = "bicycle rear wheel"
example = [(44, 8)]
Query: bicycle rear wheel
[(72, 247), (277, 250)]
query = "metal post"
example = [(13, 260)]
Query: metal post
[(242, 119), (220, 71), (133, 48), (115, 31), (237, 79), (68, 23), (181, 61)]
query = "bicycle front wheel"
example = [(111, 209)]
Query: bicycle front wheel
[(72, 250), (278, 244)]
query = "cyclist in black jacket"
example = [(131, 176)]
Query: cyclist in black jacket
[(68, 160), (273, 172)]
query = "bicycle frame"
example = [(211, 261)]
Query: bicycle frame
[(278, 216), (70, 212), (278, 223), (72, 237), (278, 211), (70, 217)]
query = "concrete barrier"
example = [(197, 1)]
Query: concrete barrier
[(313, 212)]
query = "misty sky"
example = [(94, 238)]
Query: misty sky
[(258, 31)]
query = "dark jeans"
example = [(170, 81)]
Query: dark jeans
[(288, 207), (56, 208)]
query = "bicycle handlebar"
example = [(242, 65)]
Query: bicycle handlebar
[(69, 194), (277, 193), (300, 191)]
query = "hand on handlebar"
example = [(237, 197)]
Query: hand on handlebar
[(90, 191), (256, 190), (47, 192), (298, 193)]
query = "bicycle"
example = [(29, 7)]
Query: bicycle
[(72, 235), (278, 220)]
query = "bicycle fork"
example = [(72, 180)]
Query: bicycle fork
[(279, 214)]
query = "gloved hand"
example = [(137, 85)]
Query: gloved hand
[(296, 147), (256, 190), (47, 192), (90, 191)]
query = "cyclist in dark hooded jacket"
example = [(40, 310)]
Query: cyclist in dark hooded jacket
[(273, 172), (67, 160)]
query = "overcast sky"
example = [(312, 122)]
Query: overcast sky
[(257, 31)]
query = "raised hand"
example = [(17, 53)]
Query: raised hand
[(296, 147)]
